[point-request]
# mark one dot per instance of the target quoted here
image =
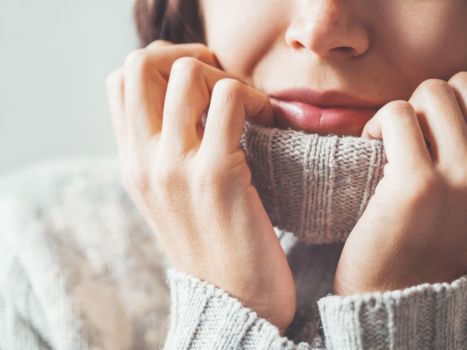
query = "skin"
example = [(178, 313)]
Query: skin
[(193, 185), (377, 50)]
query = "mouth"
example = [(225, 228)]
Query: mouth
[(328, 112)]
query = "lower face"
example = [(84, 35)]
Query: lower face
[(374, 50)]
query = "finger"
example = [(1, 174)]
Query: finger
[(397, 125), (459, 83), (146, 76), (159, 43), (188, 94), (232, 102), (115, 97), (442, 120), (165, 54)]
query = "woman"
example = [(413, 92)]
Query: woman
[(400, 278)]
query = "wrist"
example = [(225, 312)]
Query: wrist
[(358, 287)]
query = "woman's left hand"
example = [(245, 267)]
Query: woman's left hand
[(414, 229)]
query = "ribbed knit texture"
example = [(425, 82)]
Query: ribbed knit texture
[(206, 317), (317, 187), (426, 316), (80, 268), (313, 186)]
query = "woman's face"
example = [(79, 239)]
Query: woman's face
[(377, 50)]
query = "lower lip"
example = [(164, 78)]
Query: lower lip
[(333, 120)]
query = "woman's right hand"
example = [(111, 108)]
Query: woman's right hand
[(193, 184), (414, 229)]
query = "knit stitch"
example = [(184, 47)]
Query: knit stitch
[(314, 186), (72, 241), (423, 317)]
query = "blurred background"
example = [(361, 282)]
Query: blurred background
[(54, 58)]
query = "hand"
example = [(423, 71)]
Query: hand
[(414, 229), (192, 183)]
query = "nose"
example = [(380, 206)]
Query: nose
[(328, 28)]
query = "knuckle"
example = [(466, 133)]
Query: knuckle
[(203, 53), (199, 47), (432, 86), (186, 66), (158, 43), (138, 60), (459, 178), (228, 89), (135, 57), (201, 50), (399, 107), (459, 79)]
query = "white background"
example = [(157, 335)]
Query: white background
[(54, 58)]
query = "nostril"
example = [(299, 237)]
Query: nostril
[(345, 49), (297, 45)]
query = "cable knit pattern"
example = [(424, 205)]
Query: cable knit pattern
[(314, 186)]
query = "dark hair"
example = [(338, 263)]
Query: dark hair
[(178, 21)]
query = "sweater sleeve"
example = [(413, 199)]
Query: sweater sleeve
[(424, 316), (204, 316)]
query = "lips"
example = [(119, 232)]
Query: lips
[(328, 112)]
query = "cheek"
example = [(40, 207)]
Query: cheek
[(240, 34), (423, 45), (235, 49)]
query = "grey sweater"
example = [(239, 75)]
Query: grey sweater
[(80, 269), (426, 316), (314, 189)]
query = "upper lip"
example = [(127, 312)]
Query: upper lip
[(323, 99)]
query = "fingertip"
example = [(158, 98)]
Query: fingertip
[(265, 116), (372, 129)]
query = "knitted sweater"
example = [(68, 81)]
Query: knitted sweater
[(313, 186), (314, 189), (80, 269)]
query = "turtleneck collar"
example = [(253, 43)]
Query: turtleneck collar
[(313, 186)]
